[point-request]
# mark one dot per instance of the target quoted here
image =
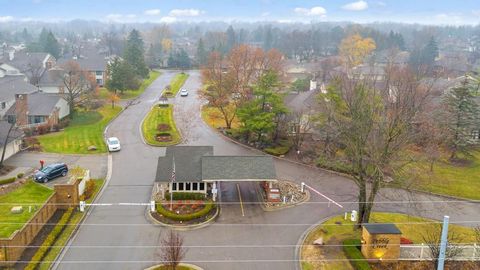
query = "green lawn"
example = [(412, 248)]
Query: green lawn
[(177, 82), (31, 192), (446, 178), (85, 129), (160, 115), (129, 94), (336, 229)]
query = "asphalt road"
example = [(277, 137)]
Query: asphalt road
[(120, 237)]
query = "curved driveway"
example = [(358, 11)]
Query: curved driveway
[(120, 237)]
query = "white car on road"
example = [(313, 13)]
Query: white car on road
[(184, 92), (113, 144)]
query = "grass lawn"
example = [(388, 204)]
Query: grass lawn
[(177, 82), (129, 94), (160, 115), (213, 117), (30, 192), (67, 232), (85, 129), (447, 178), (333, 234)]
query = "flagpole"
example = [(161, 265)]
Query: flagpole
[(172, 179)]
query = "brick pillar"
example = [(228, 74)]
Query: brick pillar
[(21, 109)]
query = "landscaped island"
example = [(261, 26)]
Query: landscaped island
[(159, 128)]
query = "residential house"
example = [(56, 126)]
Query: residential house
[(11, 142), (9, 86), (35, 109), (91, 59), (32, 65)]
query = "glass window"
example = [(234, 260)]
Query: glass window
[(202, 186), (188, 186), (195, 186), (4, 105), (98, 72), (180, 186), (174, 186)]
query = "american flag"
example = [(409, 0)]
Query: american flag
[(173, 170)]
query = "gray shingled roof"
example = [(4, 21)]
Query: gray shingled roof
[(197, 163), (90, 59), (53, 77), (238, 168), (39, 104), (23, 60), (14, 134), (188, 163), (11, 85), (381, 228)]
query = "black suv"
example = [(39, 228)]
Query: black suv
[(51, 171)]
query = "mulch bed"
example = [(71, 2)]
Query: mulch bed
[(5, 169), (163, 138), (199, 220), (41, 236)]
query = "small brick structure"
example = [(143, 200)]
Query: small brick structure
[(381, 241)]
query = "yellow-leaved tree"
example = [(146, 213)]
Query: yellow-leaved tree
[(354, 49)]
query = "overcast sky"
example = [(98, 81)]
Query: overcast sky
[(454, 12)]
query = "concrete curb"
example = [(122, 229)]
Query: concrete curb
[(195, 267), (185, 227), (298, 246)]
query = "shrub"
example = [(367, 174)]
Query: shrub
[(333, 164), (277, 150), (42, 129), (187, 217), (64, 122), (49, 241), (352, 251), (8, 180), (186, 196), (168, 93), (89, 189), (163, 127), (20, 175)]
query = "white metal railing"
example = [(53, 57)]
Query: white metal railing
[(422, 252)]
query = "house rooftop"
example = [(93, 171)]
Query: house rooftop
[(14, 134), (11, 85), (39, 104), (382, 228)]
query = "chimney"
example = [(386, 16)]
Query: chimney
[(21, 109), (11, 55)]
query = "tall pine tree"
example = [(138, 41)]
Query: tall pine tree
[(134, 53), (462, 118), (202, 54)]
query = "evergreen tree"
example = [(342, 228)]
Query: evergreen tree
[(122, 76), (51, 45), (462, 117), (430, 51), (231, 38), (202, 54), (134, 54), (258, 115)]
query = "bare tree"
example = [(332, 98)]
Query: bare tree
[(78, 84), (35, 70), (432, 238), (374, 129), (301, 124), (12, 133), (172, 251)]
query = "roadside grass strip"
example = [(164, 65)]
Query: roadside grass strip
[(86, 129), (29, 193), (177, 82)]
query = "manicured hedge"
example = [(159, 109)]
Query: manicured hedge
[(350, 248), (186, 196), (49, 241), (173, 216), (8, 180)]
